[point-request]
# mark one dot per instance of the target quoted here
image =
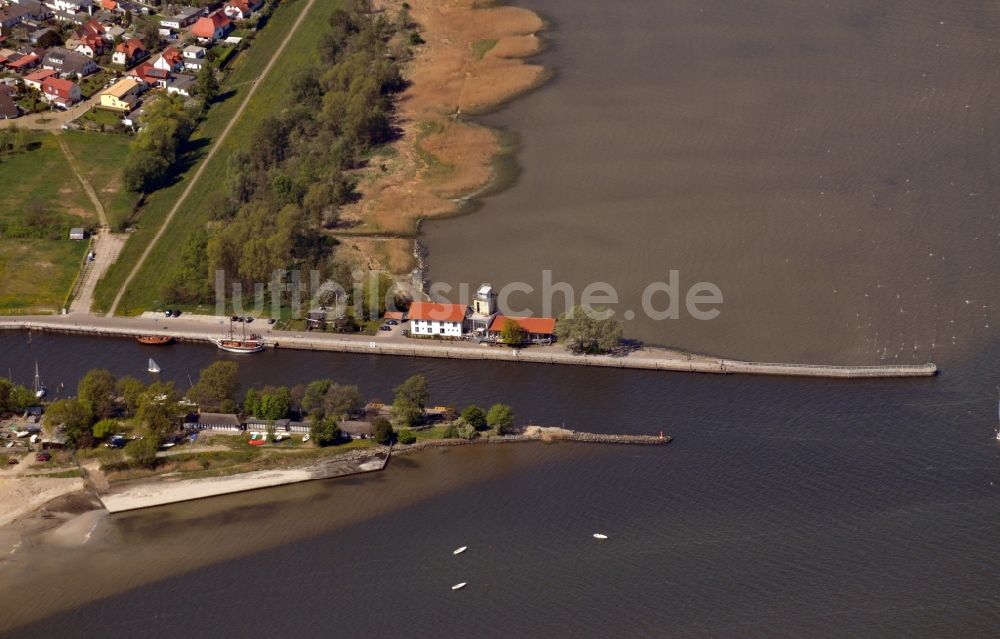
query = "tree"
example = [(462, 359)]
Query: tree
[(275, 403), (382, 430), (208, 84), (474, 416), (142, 452), (312, 401), (466, 431), (251, 403), (342, 400), (512, 333), (217, 385), (159, 408), (130, 390), (104, 428), (404, 413), (414, 391), (324, 431), (75, 420), (406, 436), (14, 398), (500, 417), (583, 332), (97, 393)]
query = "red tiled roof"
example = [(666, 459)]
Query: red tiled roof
[(205, 27), (171, 55), (534, 325), (26, 61), (437, 312), (109, 5), (38, 76), (130, 47), (396, 315), (58, 86)]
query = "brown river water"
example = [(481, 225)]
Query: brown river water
[(831, 167)]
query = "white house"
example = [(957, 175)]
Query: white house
[(444, 320), (194, 57), (71, 6)]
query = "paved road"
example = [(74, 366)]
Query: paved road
[(54, 119), (211, 154)]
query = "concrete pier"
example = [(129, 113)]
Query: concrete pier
[(201, 328)]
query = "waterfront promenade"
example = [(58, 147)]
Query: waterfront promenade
[(202, 328)]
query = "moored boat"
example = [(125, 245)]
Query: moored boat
[(155, 340), (459, 551), (232, 343), (458, 586)]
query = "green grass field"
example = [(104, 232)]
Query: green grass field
[(39, 192), (272, 94), (100, 157), (36, 275)]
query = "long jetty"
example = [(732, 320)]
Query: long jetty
[(201, 328)]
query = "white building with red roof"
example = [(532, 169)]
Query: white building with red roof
[(213, 27), (431, 318), (536, 329), (60, 92)]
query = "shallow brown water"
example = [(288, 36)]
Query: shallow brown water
[(830, 166)]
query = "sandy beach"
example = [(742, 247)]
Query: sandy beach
[(21, 495)]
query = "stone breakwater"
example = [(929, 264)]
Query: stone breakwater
[(203, 329)]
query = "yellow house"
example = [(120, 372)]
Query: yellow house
[(122, 95)]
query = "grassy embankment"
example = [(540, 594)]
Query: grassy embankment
[(39, 193), (271, 95)]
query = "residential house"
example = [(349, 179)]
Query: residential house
[(34, 80), (170, 59), (444, 320), (122, 96), (212, 28), (184, 17), (129, 52), (538, 330), (71, 6), (12, 16), (484, 307), (150, 75), (36, 9), (21, 63), (8, 108), (89, 44), (68, 62), (182, 84), (194, 57), (60, 92), (70, 17), (242, 9)]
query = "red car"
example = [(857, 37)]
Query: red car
[(43, 457)]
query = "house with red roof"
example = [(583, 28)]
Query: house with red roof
[(150, 75), (538, 330), (170, 59), (128, 52), (242, 9), (90, 44), (23, 62), (434, 319), (212, 28), (60, 92), (34, 80)]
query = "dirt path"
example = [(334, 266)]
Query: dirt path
[(106, 246), (211, 154)]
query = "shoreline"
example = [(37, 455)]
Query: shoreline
[(163, 490), (202, 328)]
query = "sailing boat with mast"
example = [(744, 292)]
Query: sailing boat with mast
[(998, 415), (40, 390), (232, 343), (153, 366)]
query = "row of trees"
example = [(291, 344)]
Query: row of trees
[(154, 152), (289, 182)]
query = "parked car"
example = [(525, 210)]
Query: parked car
[(385, 327), (271, 321), (168, 313), (177, 313), (43, 457), (392, 322), (12, 461), (405, 332), (248, 319), (235, 318)]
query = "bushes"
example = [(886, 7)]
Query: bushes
[(406, 436), (157, 147)]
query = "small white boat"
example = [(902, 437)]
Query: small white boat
[(40, 390), (600, 536), (153, 366), (459, 551), (458, 586)]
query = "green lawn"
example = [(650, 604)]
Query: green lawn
[(39, 181), (37, 275), (100, 157), (271, 95)]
